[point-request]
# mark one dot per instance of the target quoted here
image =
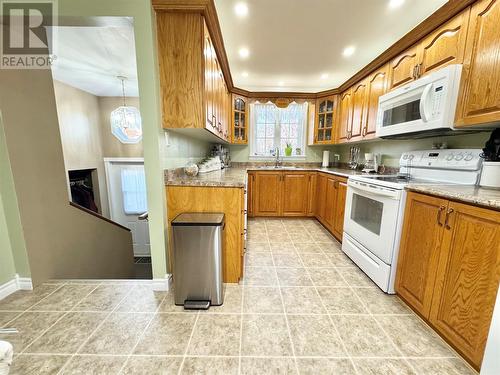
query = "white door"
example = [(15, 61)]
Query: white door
[(127, 178)]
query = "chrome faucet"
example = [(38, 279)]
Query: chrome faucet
[(277, 161)]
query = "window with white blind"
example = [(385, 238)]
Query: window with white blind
[(273, 127)]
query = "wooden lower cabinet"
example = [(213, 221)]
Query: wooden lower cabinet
[(320, 197), (250, 194), (267, 194), (455, 256), (330, 201), (230, 201), (299, 194), (311, 201), (295, 193), (419, 250), (338, 222)]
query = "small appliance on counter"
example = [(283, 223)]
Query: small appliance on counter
[(211, 164), (490, 174), (371, 163), (223, 154)]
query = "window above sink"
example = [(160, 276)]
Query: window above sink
[(272, 127)]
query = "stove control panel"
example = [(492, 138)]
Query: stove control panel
[(459, 159)]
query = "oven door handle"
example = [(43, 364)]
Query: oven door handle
[(361, 186)]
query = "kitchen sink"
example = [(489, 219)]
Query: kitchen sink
[(273, 167)]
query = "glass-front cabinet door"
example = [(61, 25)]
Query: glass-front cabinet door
[(240, 127), (325, 119)]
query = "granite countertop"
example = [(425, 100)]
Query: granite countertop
[(235, 176), (486, 197)]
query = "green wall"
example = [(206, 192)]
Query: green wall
[(12, 245), (391, 150), (7, 268)]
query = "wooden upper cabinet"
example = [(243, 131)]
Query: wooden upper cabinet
[(181, 63), (267, 193), (403, 67), (377, 86), (419, 250), (338, 220), (295, 193), (444, 46), (359, 93), (345, 116), (468, 277), (239, 119), (192, 86), (480, 84), (325, 119)]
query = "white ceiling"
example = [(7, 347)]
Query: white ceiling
[(292, 43), (91, 57)]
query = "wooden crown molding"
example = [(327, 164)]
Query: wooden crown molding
[(207, 8)]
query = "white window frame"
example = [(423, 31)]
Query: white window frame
[(277, 135)]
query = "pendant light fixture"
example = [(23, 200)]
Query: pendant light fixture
[(126, 124)]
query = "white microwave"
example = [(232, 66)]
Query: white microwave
[(420, 108)]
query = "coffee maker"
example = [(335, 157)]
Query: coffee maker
[(371, 163)]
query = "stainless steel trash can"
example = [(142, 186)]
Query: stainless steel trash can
[(198, 240)]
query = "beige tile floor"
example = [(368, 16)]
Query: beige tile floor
[(302, 307)]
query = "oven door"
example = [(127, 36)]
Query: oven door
[(371, 217)]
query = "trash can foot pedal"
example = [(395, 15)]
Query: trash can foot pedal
[(196, 305)]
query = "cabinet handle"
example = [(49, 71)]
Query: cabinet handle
[(447, 218), (414, 75), (365, 131), (419, 70), (440, 209)]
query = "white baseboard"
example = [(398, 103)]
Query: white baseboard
[(164, 284), (24, 283), (8, 288), (17, 283)]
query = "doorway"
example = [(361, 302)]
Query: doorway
[(126, 184)]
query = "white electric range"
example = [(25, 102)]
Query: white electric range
[(375, 206)]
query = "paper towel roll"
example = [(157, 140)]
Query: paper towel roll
[(326, 159)]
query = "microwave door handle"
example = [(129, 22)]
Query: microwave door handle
[(423, 102)]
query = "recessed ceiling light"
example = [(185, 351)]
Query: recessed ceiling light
[(324, 76), (393, 4), (241, 9), (349, 51), (244, 52), (244, 74)]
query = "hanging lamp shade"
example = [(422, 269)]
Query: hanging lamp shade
[(126, 123)]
